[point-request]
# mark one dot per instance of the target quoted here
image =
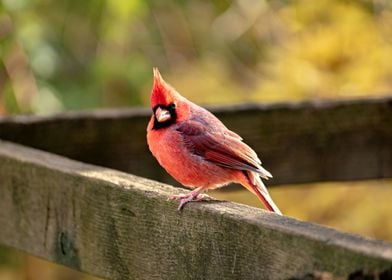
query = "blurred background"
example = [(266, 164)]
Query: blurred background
[(70, 55)]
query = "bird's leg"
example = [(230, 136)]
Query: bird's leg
[(194, 195)]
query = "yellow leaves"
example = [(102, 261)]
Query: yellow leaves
[(125, 9), (331, 48)]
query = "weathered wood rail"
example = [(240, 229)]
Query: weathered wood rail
[(120, 226)]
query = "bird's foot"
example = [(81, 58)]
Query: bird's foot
[(188, 197)]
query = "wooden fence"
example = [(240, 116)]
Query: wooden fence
[(119, 226)]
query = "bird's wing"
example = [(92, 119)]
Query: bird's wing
[(220, 147)]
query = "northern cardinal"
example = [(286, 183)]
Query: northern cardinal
[(198, 150)]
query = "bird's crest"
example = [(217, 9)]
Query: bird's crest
[(162, 93)]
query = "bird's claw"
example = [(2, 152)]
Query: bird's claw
[(178, 196), (185, 198)]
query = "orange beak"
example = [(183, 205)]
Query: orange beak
[(162, 115)]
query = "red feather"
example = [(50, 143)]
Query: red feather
[(219, 147)]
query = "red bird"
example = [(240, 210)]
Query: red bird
[(198, 150)]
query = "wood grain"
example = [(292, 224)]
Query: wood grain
[(297, 142), (119, 226)]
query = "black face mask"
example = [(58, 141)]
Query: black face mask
[(173, 116)]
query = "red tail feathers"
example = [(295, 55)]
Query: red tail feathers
[(258, 188)]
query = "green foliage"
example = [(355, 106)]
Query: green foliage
[(60, 55)]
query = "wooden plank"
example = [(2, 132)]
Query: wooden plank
[(120, 226), (298, 143)]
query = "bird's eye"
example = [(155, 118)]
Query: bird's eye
[(173, 106)]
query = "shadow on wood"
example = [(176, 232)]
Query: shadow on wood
[(298, 143)]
